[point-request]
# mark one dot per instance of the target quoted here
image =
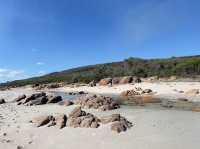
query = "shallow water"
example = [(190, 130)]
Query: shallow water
[(131, 104), (65, 95)]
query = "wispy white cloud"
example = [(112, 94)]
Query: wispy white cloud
[(9, 75), (40, 63)]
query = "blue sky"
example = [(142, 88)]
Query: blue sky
[(42, 36)]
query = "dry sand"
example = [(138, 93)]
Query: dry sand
[(153, 128)]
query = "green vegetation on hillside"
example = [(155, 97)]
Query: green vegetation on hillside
[(179, 66)]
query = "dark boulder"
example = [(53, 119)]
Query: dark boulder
[(20, 98), (38, 101), (2, 101), (34, 96), (54, 99)]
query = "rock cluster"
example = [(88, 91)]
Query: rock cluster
[(97, 102), (46, 86), (119, 80), (137, 91), (105, 81), (119, 123), (2, 101), (140, 97), (37, 99), (78, 118)]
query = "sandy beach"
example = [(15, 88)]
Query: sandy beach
[(152, 128)]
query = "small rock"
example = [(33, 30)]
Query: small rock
[(54, 99), (147, 91), (20, 147), (2, 101), (66, 102), (121, 125), (41, 120), (77, 112), (111, 118), (118, 127), (61, 120), (92, 83), (192, 92), (105, 81), (74, 122)]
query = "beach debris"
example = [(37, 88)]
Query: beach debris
[(2, 101), (192, 92), (97, 102)]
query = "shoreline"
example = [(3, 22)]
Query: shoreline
[(153, 128)]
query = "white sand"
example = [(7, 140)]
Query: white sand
[(153, 128), (162, 89)]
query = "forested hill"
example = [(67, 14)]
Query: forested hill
[(179, 66)]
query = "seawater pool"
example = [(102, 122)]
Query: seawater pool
[(128, 103)]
